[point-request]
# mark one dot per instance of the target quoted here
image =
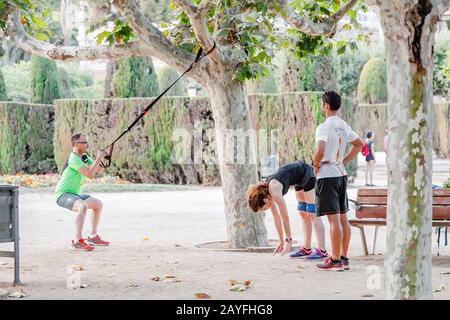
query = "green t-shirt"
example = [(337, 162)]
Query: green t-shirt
[(71, 180)]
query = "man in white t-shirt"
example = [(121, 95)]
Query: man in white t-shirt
[(332, 138)]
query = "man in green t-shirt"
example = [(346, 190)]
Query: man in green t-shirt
[(68, 192)]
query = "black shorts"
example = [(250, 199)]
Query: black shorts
[(311, 184), (331, 196)]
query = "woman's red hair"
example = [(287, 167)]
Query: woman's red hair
[(256, 194)]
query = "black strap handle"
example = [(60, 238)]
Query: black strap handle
[(110, 147)]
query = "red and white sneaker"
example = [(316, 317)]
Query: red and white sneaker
[(329, 265), (96, 241), (81, 246)]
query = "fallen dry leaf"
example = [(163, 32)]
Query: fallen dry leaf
[(441, 288), (239, 286), (145, 238), (171, 280), (202, 296), (169, 276), (133, 285), (177, 245), (82, 286), (77, 268), (156, 278), (367, 295)]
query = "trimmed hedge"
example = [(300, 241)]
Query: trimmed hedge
[(145, 154), (373, 117), (441, 132), (26, 132)]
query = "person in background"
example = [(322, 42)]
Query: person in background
[(370, 158)]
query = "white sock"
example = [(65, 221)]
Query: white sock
[(92, 236)]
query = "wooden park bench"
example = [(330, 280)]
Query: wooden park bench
[(371, 207)]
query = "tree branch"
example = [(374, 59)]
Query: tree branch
[(158, 44), (197, 17), (16, 34), (325, 28)]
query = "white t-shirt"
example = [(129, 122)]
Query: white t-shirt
[(337, 134)]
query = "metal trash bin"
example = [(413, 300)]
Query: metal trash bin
[(9, 224)]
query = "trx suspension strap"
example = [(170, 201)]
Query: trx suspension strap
[(110, 147)]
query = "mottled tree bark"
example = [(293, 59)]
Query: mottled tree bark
[(236, 155), (409, 28)]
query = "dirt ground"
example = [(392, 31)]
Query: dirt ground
[(174, 222)]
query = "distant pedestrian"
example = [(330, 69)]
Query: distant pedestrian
[(369, 152)]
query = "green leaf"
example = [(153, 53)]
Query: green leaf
[(341, 49), (110, 39), (238, 288), (172, 6), (41, 36), (222, 33), (346, 27), (101, 36)]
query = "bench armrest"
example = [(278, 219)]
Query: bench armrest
[(357, 204)]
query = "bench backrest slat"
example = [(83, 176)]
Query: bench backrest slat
[(379, 212), (374, 203)]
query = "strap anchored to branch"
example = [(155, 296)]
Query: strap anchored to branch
[(110, 147)]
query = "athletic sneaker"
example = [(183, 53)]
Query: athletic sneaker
[(96, 241), (345, 263), (317, 255), (81, 246), (329, 265), (301, 253)]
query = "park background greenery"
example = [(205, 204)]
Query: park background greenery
[(34, 137)]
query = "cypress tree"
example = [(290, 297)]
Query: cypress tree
[(135, 77), (45, 81)]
